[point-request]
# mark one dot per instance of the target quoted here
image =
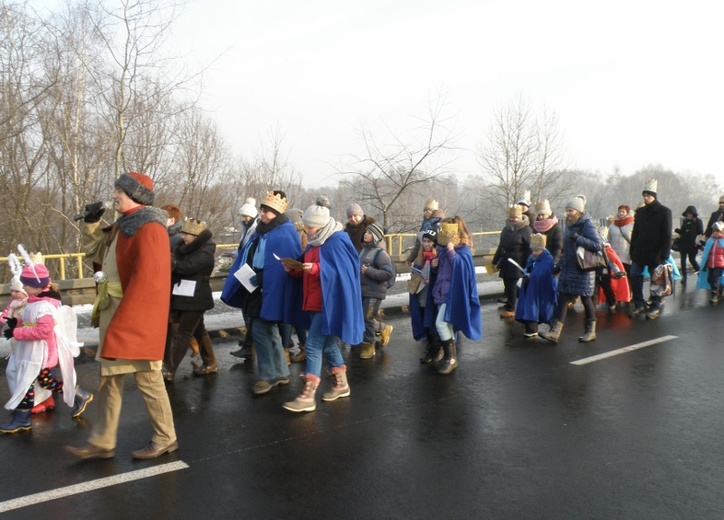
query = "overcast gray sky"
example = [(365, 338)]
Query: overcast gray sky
[(632, 82)]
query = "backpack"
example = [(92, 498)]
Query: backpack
[(392, 280)]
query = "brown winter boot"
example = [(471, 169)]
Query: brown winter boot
[(450, 360), (305, 401), (301, 356), (340, 387), (590, 333), (554, 333), (368, 351)]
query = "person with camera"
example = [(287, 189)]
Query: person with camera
[(131, 310)]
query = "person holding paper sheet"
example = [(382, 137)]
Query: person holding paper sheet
[(192, 265), (514, 244), (423, 310), (273, 299)]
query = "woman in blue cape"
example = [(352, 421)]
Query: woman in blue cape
[(332, 303), (455, 290), (537, 299)]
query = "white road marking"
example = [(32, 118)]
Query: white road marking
[(623, 350), (52, 494)]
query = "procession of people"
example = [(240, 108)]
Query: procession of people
[(305, 271)]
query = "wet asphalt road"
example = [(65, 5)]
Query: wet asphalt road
[(516, 432)]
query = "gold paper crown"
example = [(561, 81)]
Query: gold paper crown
[(448, 233), (275, 202), (538, 241), (651, 185), (432, 205), (543, 208), (514, 210), (192, 226), (37, 258)]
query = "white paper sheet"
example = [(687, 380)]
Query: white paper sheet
[(244, 275), (184, 288)]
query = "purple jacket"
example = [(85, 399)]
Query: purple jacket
[(446, 259)]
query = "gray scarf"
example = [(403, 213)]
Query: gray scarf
[(324, 233)]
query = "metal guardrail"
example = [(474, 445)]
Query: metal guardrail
[(391, 240)]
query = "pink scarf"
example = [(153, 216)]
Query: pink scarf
[(541, 226)]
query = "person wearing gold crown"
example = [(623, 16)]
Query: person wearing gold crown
[(191, 297), (650, 247), (455, 291), (131, 310), (537, 299), (514, 245), (272, 298)]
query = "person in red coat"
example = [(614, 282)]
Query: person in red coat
[(131, 310), (612, 281)]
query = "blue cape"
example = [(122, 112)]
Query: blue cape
[(463, 303), (423, 318), (702, 281), (538, 298), (339, 271), (282, 293)]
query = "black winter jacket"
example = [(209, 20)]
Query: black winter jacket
[(651, 235), (515, 244), (689, 230), (194, 261)]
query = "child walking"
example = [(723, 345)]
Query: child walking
[(455, 290), (422, 307), (538, 298), (712, 263), (376, 273), (40, 347), (18, 300)]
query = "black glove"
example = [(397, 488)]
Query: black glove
[(94, 212), (573, 235), (556, 270), (11, 323)]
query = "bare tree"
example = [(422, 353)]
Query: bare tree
[(385, 177), (524, 151)]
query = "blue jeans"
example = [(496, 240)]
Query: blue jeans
[(637, 286), (269, 352), (318, 345)]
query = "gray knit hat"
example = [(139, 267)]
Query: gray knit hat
[(376, 231), (354, 209), (317, 215), (578, 203), (138, 186)]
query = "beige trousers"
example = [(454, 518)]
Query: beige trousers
[(110, 397)]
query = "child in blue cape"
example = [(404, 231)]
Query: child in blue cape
[(537, 299), (455, 291)]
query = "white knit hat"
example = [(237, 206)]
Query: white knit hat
[(16, 284), (578, 203), (249, 208), (317, 215)]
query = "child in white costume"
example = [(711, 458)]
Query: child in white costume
[(45, 338)]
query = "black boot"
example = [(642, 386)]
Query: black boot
[(450, 359), (433, 352), (20, 423)]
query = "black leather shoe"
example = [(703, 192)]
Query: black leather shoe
[(153, 450), (90, 451)]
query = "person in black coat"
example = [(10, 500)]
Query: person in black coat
[(650, 247), (691, 227), (192, 265), (716, 216), (514, 244), (547, 224)]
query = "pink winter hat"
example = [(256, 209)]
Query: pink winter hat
[(39, 277)]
